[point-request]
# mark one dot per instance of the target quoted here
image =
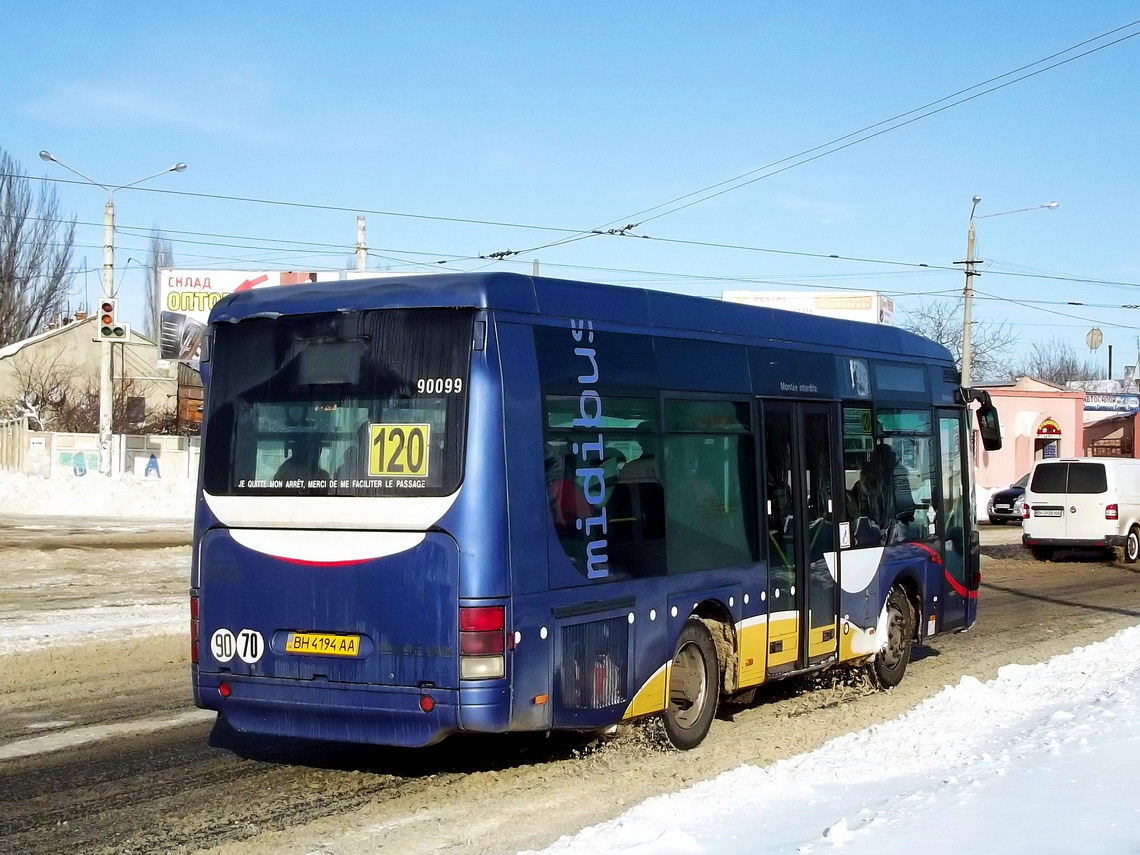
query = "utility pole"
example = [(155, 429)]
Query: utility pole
[(968, 295), (105, 380), (361, 244), (968, 298)]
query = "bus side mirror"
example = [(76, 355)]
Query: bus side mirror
[(989, 427)]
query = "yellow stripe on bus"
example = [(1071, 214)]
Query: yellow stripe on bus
[(650, 698)]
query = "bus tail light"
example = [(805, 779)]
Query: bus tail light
[(194, 628), (481, 642), (1025, 511), (1111, 512)]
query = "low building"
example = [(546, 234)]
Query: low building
[(1038, 420), (54, 376)]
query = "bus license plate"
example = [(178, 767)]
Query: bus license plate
[(1047, 512), (322, 644)]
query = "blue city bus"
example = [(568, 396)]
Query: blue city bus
[(488, 503)]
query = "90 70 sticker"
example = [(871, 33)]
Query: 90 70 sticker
[(248, 645)]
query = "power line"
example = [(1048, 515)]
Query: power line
[(308, 205), (861, 139), (1026, 305), (901, 115), (581, 234)]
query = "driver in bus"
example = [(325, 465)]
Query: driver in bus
[(883, 493)]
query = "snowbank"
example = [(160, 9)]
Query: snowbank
[(95, 496), (1041, 759)]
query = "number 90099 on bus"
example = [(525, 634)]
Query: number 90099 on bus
[(490, 503)]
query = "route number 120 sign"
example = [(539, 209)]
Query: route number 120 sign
[(399, 450)]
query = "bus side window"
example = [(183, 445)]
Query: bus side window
[(710, 486), (603, 486), (890, 499)]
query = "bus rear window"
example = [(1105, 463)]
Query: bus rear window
[(348, 404)]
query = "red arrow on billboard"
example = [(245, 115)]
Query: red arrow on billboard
[(252, 283)]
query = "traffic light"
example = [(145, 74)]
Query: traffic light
[(110, 327)]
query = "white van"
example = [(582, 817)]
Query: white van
[(1082, 502)]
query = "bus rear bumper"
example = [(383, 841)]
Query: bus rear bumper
[(305, 709)]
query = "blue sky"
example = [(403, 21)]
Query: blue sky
[(575, 116)]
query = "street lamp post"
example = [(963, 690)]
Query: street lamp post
[(105, 391), (970, 264)]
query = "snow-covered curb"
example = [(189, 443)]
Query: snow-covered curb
[(94, 495)]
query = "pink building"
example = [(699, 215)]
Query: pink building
[(1038, 420)]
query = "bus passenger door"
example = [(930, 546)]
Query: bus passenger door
[(801, 534), (959, 552)]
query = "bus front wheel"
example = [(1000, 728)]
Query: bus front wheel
[(694, 687), (889, 664)]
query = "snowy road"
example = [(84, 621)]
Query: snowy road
[(66, 581), (148, 781)]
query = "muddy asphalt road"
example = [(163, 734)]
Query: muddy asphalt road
[(162, 778)]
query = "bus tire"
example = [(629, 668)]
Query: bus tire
[(1042, 553), (694, 687), (889, 665), (1132, 545)]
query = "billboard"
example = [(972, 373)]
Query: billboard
[(867, 306), (186, 297)]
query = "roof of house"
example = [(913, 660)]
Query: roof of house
[(16, 346)]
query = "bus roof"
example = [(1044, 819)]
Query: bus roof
[(552, 298)]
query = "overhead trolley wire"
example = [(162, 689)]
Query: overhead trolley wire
[(862, 135), (736, 182), (888, 121)]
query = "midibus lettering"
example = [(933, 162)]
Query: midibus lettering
[(590, 354), (597, 562), (591, 479), (589, 419), (592, 522), (577, 328), (593, 484)]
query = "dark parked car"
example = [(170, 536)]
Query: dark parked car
[(1006, 504)]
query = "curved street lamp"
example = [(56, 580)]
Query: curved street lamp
[(108, 288), (970, 263)]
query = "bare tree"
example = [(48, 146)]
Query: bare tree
[(991, 344), (1055, 361), (35, 254), (44, 390), (161, 256)]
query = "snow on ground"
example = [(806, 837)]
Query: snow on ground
[(78, 626), (95, 495), (1041, 759), (69, 595)]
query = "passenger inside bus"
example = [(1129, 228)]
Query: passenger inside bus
[(303, 461), (352, 463)]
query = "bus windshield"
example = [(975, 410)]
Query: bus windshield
[(348, 404)]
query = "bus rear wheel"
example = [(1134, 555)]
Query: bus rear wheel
[(889, 664), (694, 687)]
